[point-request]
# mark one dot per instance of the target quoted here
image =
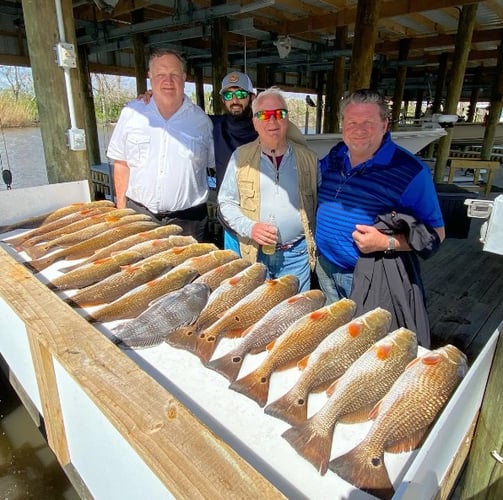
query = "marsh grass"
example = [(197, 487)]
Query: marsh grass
[(21, 112)]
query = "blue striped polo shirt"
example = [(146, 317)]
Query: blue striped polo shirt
[(393, 179)]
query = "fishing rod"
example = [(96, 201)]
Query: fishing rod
[(6, 172)]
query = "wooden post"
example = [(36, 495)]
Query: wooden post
[(63, 164), (474, 96), (335, 84), (437, 98), (494, 108), (219, 47), (461, 51), (140, 61), (92, 140), (403, 54), (483, 476), (419, 104), (443, 59), (329, 116), (319, 100), (367, 16), (199, 82)]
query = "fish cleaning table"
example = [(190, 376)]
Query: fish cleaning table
[(156, 423)]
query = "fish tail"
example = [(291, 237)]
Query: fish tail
[(183, 338), (107, 313), (254, 385), (291, 408), (40, 264), (365, 470), (228, 365), (30, 242), (77, 301), (205, 346), (37, 251), (313, 444), (16, 242), (70, 268)]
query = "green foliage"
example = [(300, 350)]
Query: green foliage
[(17, 111), (111, 94)]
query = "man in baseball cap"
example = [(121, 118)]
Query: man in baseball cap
[(235, 79), (232, 129)]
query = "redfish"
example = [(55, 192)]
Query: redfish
[(331, 358), (144, 248), (119, 283), (158, 233), (299, 340), (77, 231), (214, 277), (263, 332), (229, 293), (46, 218), (246, 312), (17, 241), (87, 248), (177, 255), (137, 300), (211, 260), (95, 271), (364, 383), (402, 418)]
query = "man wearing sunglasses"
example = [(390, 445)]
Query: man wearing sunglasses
[(231, 130), (235, 127), (273, 176)]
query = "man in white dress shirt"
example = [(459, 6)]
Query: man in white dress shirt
[(162, 150)]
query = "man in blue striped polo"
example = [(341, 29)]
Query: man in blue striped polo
[(366, 175)]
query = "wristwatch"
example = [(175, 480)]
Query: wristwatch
[(391, 245)]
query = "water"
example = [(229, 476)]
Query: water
[(28, 467), (22, 152)]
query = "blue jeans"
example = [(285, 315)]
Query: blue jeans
[(292, 261), (231, 242), (334, 281)]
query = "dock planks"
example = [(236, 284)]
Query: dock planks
[(464, 291)]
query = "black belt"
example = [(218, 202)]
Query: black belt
[(197, 212)]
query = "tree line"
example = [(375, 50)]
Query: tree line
[(18, 104)]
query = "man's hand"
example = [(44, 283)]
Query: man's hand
[(368, 239), (145, 97), (264, 233)]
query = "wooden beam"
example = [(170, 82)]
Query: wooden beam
[(400, 84), (348, 16), (53, 100), (463, 43), (495, 108), (49, 397), (483, 476), (363, 44), (186, 455)]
